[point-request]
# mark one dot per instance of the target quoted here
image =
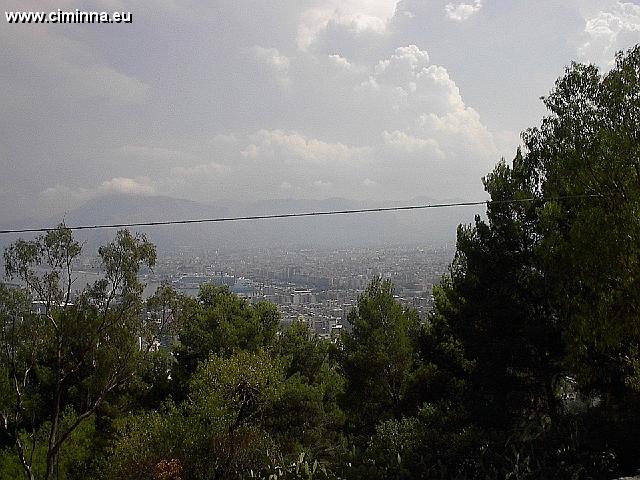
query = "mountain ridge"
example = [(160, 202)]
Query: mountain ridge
[(430, 226)]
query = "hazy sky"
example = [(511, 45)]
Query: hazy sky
[(364, 99)]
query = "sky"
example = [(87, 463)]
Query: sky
[(373, 100)]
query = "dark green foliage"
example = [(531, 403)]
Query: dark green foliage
[(379, 357), (590, 245), (496, 304), (151, 383), (217, 433), (218, 321), (307, 417), (545, 290), (66, 359)]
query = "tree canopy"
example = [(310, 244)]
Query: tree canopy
[(63, 360)]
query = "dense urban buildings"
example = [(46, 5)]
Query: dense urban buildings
[(318, 286)]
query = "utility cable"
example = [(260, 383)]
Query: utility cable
[(294, 215)]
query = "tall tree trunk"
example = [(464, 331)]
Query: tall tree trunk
[(52, 451)]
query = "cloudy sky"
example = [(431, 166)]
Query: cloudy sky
[(212, 99)]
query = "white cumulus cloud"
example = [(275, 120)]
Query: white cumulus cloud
[(66, 197), (430, 114), (608, 31), (410, 144), (356, 16), (462, 11), (127, 186), (293, 147)]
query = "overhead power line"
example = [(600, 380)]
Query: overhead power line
[(293, 215)]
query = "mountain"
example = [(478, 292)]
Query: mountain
[(429, 226)]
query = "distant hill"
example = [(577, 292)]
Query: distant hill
[(430, 226)]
